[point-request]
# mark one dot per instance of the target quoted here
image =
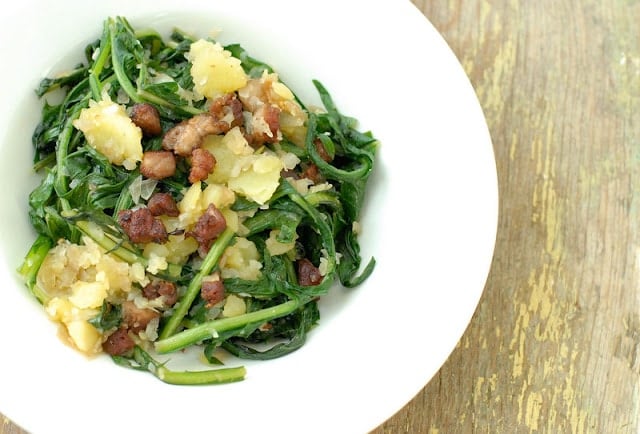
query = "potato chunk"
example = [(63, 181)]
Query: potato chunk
[(234, 306), (76, 279), (241, 260), (196, 200), (108, 128), (253, 175), (213, 69)]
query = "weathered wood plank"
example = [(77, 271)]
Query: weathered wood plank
[(554, 344)]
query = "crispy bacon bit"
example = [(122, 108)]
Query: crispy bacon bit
[(163, 204), (202, 164), (210, 224), (258, 98), (189, 134), (141, 226), (147, 118), (118, 343), (308, 274), (264, 126), (227, 108), (161, 288), (313, 173), (158, 164), (182, 139), (135, 318), (212, 292)]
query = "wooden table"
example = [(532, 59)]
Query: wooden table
[(554, 346)]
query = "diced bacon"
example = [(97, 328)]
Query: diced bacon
[(142, 227), (210, 224), (147, 118), (202, 164), (212, 292), (135, 318), (158, 164), (308, 274), (161, 288), (118, 343), (163, 204)]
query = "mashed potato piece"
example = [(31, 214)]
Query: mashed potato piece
[(234, 306), (241, 260), (176, 250), (250, 174), (77, 279), (108, 128), (196, 200), (276, 247), (214, 70)]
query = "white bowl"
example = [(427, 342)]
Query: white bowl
[(430, 221)]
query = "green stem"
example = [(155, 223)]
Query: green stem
[(62, 148), (213, 328), (46, 161), (99, 63), (210, 261), (210, 376), (271, 218), (105, 52), (96, 87), (141, 360), (324, 198)]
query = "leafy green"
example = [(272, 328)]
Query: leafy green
[(69, 79), (31, 264), (253, 67), (81, 194), (293, 328), (110, 317)]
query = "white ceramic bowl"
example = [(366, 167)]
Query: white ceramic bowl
[(430, 221)]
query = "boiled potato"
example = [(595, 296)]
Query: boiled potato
[(214, 70), (76, 280), (195, 201), (242, 260), (108, 128), (253, 175), (233, 306)]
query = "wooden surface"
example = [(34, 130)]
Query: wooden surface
[(554, 346)]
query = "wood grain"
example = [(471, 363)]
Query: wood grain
[(554, 346)]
